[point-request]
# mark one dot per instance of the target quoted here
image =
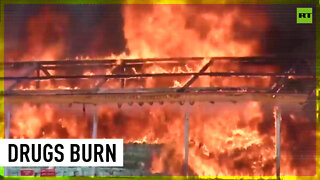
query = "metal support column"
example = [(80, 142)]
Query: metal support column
[(94, 131), (278, 140), (186, 141), (95, 124), (8, 122), (7, 132)]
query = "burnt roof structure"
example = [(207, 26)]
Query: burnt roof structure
[(121, 70)]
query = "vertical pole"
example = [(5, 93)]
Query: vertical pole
[(186, 140), (278, 141), (94, 131), (123, 70), (8, 123), (7, 132), (38, 75), (122, 83), (95, 123)]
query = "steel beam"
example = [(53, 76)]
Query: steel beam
[(45, 71), (103, 97), (195, 77)]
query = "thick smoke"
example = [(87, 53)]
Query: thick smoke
[(52, 32)]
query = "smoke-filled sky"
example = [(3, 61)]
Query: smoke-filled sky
[(97, 30)]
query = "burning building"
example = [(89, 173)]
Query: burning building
[(192, 89)]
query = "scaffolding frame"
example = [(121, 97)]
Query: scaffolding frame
[(121, 71), (186, 93)]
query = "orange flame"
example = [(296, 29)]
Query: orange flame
[(224, 139)]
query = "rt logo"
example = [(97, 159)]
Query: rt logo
[(304, 15)]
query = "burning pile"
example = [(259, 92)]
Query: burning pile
[(224, 138)]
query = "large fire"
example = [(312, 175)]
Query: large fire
[(224, 138)]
